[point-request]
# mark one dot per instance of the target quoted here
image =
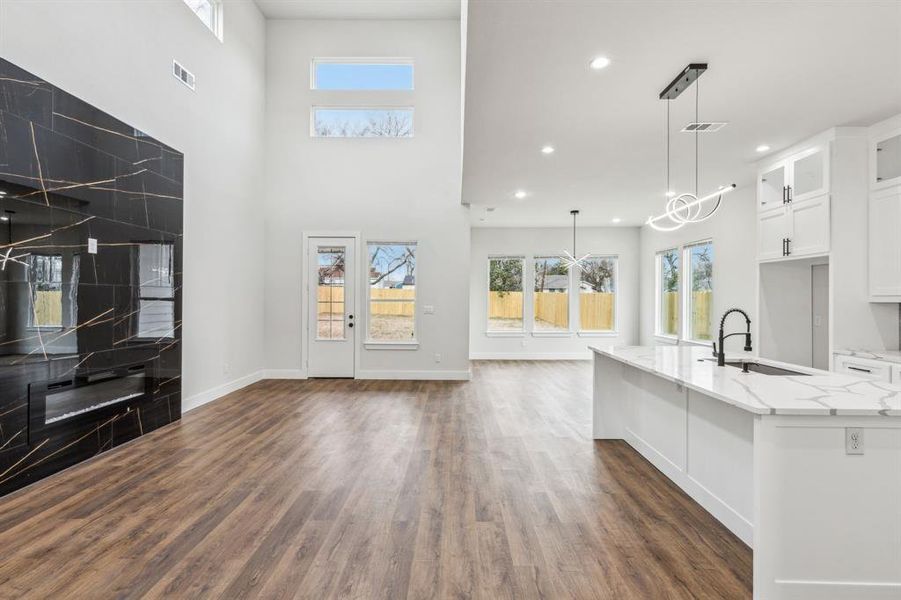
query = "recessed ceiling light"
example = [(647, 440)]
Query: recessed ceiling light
[(599, 63), (547, 150), (2, 193), (520, 194), (615, 220), (762, 148)]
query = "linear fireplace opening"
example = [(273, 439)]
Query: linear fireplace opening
[(52, 402)]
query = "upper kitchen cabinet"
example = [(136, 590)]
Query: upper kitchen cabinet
[(793, 204), (797, 177), (885, 159), (885, 245)]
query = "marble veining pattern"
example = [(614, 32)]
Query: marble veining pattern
[(72, 176), (816, 393), (886, 355)]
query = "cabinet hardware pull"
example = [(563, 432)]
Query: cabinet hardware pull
[(859, 369), (790, 194), (788, 246), (784, 194)]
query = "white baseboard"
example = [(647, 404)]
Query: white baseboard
[(416, 375), (217, 392), (530, 355), (284, 374)]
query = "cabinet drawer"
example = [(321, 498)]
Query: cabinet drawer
[(872, 369)]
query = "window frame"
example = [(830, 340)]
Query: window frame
[(30, 324), (218, 10), (140, 298), (521, 332), (601, 332), (685, 296), (568, 331), (362, 108), (368, 342), (658, 295), (359, 60)]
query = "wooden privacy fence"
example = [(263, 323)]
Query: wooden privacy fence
[(700, 314), (330, 296), (595, 310)]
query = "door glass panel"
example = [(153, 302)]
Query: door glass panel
[(771, 184), (330, 293), (808, 174), (888, 158)]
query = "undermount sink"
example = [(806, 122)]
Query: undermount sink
[(756, 367)]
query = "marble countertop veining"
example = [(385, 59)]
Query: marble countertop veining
[(886, 355), (817, 393)]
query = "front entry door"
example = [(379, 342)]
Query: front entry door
[(331, 319)]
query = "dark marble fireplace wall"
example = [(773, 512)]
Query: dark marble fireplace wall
[(69, 174)]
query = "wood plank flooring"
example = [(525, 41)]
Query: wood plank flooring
[(371, 489)]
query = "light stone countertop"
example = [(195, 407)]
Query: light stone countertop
[(886, 355), (818, 393)]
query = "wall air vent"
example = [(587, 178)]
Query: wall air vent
[(182, 74), (708, 127)]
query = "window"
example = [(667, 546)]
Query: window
[(597, 294), (505, 294), (668, 293), (156, 314), (330, 74), (330, 294), (392, 292), (551, 295), (45, 274), (209, 12), (698, 260), (363, 122)]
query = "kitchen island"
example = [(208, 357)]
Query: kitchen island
[(805, 467)]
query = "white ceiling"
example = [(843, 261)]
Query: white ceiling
[(360, 9), (778, 72)]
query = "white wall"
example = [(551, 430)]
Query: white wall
[(387, 189), (619, 241), (733, 231), (118, 57)]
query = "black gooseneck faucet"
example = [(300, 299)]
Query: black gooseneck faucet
[(721, 352)]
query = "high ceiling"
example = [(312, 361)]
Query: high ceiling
[(360, 9), (778, 72)]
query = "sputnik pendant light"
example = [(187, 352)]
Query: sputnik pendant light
[(686, 207), (570, 260)]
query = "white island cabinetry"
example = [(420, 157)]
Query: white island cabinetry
[(767, 456)]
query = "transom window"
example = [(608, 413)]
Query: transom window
[(392, 292), (343, 74), (210, 14), (363, 110), (362, 122)]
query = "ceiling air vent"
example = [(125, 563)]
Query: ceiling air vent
[(182, 74), (709, 127)]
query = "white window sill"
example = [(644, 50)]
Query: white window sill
[(391, 345), (559, 334), (666, 339), (696, 343), (505, 334), (598, 334)]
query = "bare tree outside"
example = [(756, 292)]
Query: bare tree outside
[(363, 123)]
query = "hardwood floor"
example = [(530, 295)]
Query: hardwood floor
[(373, 489)]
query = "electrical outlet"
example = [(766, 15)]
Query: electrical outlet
[(437, 357), (428, 309), (853, 440), (92, 245)]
